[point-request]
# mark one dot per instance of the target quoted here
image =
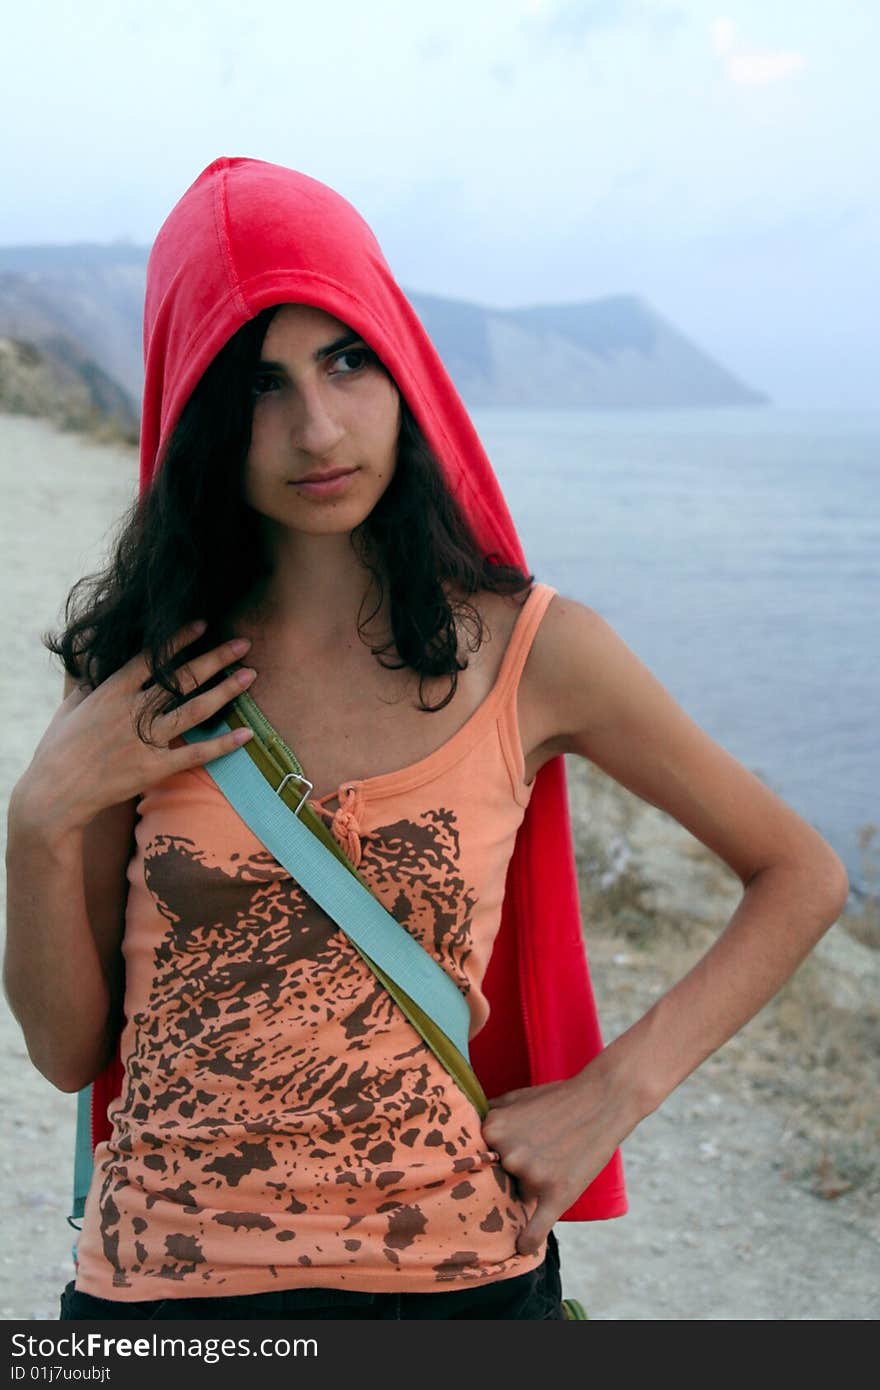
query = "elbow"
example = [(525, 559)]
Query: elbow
[(63, 1084), (68, 1082), (827, 874), (71, 1090), (839, 887), (828, 883), (60, 1069), (822, 877), (62, 1079), (71, 1077)]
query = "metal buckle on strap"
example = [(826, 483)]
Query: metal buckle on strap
[(298, 777)]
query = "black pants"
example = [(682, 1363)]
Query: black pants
[(535, 1294)]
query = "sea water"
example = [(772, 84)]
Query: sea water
[(737, 552)]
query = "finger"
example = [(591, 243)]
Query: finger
[(508, 1098), (140, 664), (532, 1237), (199, 669), (195, 754), (200, 707)]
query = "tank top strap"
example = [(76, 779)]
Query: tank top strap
[(521, 639), (507, 711)]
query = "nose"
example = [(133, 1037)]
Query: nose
[(316, 428)]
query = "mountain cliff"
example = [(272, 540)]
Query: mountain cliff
[(84, 303)]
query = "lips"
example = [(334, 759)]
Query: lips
[(325, 477), (330, 484)]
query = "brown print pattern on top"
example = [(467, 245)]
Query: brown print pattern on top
[(270, 1065)]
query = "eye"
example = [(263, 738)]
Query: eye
[(364, 353), (263, 382)]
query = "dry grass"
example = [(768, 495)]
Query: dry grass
[(654, 899)]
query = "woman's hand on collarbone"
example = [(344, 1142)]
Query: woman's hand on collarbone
[(91, 755)]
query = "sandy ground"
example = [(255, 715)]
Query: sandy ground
[(753, 1189)]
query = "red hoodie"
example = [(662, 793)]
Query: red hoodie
[(246, 235)]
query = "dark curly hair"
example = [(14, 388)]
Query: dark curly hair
[(169, 561)]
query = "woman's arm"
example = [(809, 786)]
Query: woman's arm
[(71, 834), (603, 703), (63, 970), (589, 694)]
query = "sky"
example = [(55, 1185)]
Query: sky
[(719, 160)]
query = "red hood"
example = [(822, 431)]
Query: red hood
[(248, 234)]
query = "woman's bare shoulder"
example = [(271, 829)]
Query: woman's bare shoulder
[(562, 683), (497, 612)]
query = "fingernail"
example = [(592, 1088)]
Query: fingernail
[(246, 674), (199, 626)]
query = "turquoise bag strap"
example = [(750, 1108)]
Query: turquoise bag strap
[(342, 896), (82, 1162)]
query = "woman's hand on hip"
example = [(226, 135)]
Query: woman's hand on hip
[(554, 1139)]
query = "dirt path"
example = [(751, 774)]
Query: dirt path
[(715, 1231), (732, 1183)]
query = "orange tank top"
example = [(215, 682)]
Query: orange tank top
[(281, 1124)]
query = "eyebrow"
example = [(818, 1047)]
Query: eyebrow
[(320, 353)]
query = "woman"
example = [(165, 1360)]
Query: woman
[(279, 1140)]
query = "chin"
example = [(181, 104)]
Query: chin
[(325, 519)]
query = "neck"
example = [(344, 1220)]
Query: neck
[(318, 591)]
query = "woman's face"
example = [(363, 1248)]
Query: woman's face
[(319, 408)]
